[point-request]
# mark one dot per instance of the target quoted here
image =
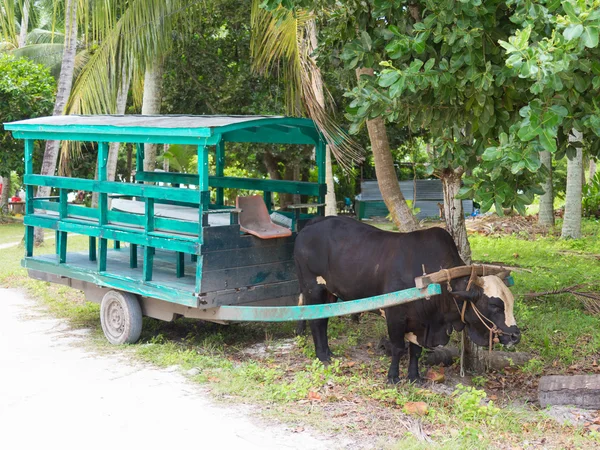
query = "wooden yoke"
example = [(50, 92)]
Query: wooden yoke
[(461, 271)]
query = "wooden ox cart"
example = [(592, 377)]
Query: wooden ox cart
[(176, 253)]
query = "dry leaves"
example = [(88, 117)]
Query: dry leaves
[(436, 375), (418, 408)]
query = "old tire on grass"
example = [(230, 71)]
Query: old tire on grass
[(121, 317)]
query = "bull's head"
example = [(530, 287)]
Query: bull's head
[(489, 302)]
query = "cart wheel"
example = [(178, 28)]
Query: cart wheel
[(121, 317)]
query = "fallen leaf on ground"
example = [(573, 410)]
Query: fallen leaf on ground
[(314, 396), (436, 375), (419, 408)]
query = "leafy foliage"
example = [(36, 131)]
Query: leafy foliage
[(591, 197), (26, 91)]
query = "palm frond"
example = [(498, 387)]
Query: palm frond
[(50, 55), (41, 36), (9, 23), (142, 32), (281, 41)]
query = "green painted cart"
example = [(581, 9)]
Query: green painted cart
[(175, 253)]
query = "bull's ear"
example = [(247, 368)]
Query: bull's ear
[(470, 295)]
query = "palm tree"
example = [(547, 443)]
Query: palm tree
[(289, 40), (572, 219), (546, 216), (292, 39)]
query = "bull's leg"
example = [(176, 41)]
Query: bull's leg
[(414, 352), (396, 328), (300, 327), (319, 334)]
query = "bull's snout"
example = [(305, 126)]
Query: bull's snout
[(515, 337)]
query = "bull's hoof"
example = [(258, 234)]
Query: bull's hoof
[(393, 381), (416, 380)]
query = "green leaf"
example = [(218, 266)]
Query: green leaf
[(548, 140), (573, 31), (570, 10), (590, 36), (388, 77), (398, 87), (528, 132), (492, 153), (429, 64), (366, 41), (415, 66), (419, 46)]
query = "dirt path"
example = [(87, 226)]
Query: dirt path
[(52, 390)]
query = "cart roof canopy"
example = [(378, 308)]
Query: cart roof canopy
[(169, 129)]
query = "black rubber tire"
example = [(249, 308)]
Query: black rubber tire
[(121, 317)]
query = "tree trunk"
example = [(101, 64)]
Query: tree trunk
[(386, 174), (317, 82), (120, 106), (546, 216), (151, 105), (5, 191), (572, 220), (65, 81), (330, 200), (24, 24), (113, 149), (454, 214)]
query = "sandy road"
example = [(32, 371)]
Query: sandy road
[(57, 394)]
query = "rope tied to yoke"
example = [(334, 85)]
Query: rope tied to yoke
[(494, 331)]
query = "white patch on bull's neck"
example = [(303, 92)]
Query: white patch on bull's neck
[(411, 337), (321, 280), (495, 287), (300, 300), (382, 311)]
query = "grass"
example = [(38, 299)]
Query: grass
[(350, 396)]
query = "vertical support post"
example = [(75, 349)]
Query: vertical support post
[(148, 251), (139, 159), (133, 256), (220, 157), (62, 235), (180, 265), (28, 197), (148, 262), (56, 241), (92, 248), (268, 197), (203, 187), (102, 204), (320, 156), (204, 200), (117, 245)]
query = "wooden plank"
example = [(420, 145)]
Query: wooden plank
[(228, 258), (180, 270), (222, 238), (582, 391), (92, 248), (133, 256), (220, 166), (29, 235), (111, 187), (170, 242), (148, 263), (253, 184), (114, 281), (271, 291), (102, 254), (237, 277), (139, 160)]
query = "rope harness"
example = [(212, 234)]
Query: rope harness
[(494, 331)]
